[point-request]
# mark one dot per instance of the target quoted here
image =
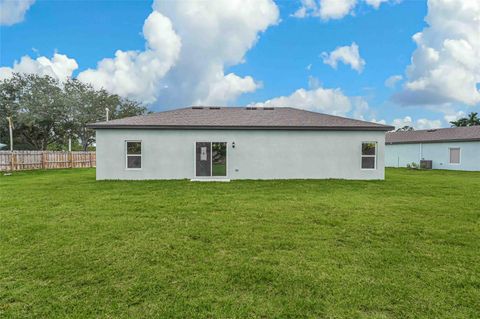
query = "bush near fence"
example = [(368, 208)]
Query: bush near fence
[(28, 160)]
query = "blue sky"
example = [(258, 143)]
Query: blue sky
[(273, 55)]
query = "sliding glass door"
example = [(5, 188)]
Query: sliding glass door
[(210, 159)]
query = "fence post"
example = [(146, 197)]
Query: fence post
[(71, 159), (90, 158), (43, 160)]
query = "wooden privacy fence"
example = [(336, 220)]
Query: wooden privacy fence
[(26, 160)]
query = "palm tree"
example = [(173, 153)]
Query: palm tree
[(471, 120)]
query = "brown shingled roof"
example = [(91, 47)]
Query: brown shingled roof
[(203, 117), (469, 133)]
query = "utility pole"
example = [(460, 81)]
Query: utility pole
[(69, 140), (107, 110), (10, 128)]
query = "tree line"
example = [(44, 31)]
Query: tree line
[(47, 112), (472, 119)]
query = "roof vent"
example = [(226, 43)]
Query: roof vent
[(214, 107), (268, 108), (251, 108), (197, 107), (432, 130)]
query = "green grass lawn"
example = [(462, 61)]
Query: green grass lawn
[(406, 247)]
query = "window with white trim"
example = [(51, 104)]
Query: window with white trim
[(369, 155), (455, 155), (134, 154)]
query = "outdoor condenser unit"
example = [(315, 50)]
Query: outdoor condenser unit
[(424, 164)]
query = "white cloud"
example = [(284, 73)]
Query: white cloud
[(227, 88), (361, 109), (346, 54), (453, 116), (138, 74), (392, 81), (378, 121), (215, 35), (325, 9), (323, 100), (331, 101), (445, 66), (332, 9), (13, 11), (420, 124), (189, 45), (59, 67)]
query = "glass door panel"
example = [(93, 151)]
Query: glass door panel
[(203, 159), (219, 159)]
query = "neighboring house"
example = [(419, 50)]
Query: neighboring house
[(222, 143), (448, 148)]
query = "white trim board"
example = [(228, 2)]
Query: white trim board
[(210, 180)]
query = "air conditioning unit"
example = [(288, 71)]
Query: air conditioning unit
[(424, 164)]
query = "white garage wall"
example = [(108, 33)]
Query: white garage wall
[(258, 154), (399, 155)]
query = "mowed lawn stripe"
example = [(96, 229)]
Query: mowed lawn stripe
[(406, 247)]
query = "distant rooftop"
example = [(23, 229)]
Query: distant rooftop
[(217, 117), (457, 134)]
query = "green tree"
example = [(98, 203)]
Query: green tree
[(35, 104), (86, 105), (47, 113), (471, 120)]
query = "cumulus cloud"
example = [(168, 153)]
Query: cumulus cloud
[(325, 9), (347, 55), (189, 44), (445, 66), (453, 116), (323, 100), (13, 11), (59, 67), (392, 81), (361, 109), (227, 88), (138, 74), (420, 124), (331, 9), (215, 35)]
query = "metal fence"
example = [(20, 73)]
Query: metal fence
[(28, 160)]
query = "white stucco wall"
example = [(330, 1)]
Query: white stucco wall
[(262, 154), (399, 155)]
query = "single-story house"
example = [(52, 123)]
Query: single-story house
[(455, 148), (223, 143)]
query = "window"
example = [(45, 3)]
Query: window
[(134, 154), (369, 155), (455, 155)]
